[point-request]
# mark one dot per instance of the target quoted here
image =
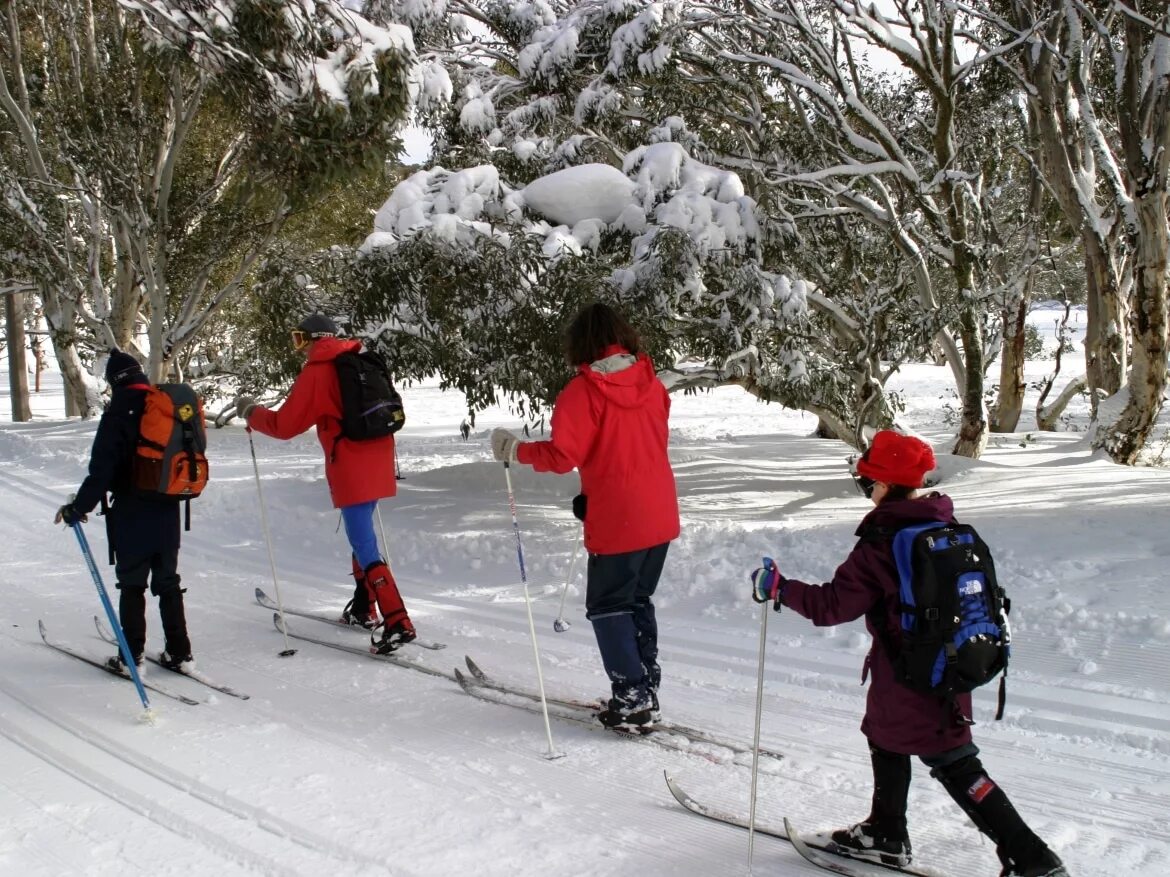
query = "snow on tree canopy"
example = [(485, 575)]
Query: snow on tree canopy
[(588, 191), (662, 187)]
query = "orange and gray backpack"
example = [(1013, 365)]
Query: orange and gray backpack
[(170, 457)]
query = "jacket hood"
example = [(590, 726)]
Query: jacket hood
[(328, 349), (624, 379), (900, 513)]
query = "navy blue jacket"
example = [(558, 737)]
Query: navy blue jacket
[(136, 525)]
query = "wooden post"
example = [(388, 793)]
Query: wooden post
[(17, 369)]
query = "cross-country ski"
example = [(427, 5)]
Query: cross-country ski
[(268, 603), (197, 675), (104, 665)]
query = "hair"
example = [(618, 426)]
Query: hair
[(595, 328), (895, 492)]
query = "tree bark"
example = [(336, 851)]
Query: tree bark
[(17, 369), (1010, 404)]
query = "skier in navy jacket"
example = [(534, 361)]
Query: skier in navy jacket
[(143, 531)]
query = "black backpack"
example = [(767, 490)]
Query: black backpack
[(955, 634), (370, 406)]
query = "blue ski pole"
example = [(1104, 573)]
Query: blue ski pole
[(123, 646)]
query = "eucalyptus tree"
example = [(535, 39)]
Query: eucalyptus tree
[(1096, 76), (151, 151)]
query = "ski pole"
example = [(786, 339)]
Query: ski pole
[(552, 752), (123, 646), (768, 564), (560, 625), (288, 650)]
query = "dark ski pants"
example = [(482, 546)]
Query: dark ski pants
[(618, 603), (161, 568), (961, 773)]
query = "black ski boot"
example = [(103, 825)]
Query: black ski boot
[(394, 636), (119, 666), (861, 842)]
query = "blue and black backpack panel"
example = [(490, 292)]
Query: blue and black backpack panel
[(953, 613)]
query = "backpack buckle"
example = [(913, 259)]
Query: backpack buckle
[(931, 614)]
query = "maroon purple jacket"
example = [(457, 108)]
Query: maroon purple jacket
[(897, 718)]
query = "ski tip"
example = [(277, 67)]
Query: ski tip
[(261, 597), (474, 668), (789, 830), (41, 627), (279, 622)]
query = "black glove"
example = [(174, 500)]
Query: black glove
[(69, 516), (579, 502)]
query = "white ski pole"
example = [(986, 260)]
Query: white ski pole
[(552, 752), (560, 625), (288, 650), (768, 564)]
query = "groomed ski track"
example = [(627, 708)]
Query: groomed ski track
[(356, 758)]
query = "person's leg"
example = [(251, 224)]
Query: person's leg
[(359, 530), (397, 629), (611, 589), (360, 610), (961, 773), (882, 836), (132, 573), (165, 584), (645, 621)]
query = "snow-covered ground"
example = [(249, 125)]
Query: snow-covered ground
[(341, 765)]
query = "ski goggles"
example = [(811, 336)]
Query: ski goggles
[(301, 340), (863, 484)]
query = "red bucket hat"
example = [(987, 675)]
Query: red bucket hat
[(899, 459)]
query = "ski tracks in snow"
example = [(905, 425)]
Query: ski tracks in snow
[(226, 828)]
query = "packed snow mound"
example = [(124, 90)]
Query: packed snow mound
[(588, 191)]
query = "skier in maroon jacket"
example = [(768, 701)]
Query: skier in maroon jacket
[(899, 721), (610, 423)]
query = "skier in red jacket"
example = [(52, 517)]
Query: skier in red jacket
[(610, 423), (899, 721), (359, 473)]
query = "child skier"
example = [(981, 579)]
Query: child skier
[(899, 721), (610, 423), (143, 530), (359, 473)]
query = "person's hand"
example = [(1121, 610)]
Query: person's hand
[(504, 445), (579, 503), (767, 584), (244, 406), (69, 516)]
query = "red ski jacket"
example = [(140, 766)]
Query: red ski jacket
[(356, 471), (610, 423), (897, 718)]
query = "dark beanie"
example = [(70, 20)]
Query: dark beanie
[(898, 459), (122, 368), (318, 326)]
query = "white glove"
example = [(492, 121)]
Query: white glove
[(504, 445), (244, 406)]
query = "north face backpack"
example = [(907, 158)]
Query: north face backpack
[(370, 406), (170, 455), (955, 634)]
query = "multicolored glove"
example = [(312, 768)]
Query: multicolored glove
[(768, 584)]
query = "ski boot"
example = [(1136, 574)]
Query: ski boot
[(178, 663), (620, 714), (119, 666), (394, 636), (369, 621), (861, 842)]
